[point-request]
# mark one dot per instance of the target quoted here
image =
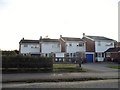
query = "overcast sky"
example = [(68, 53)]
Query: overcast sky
[(71, 18)]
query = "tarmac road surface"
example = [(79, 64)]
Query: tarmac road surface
[(112, 83)]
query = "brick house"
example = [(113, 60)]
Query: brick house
[(113, 54), (96, 46)]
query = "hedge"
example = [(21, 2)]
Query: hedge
[(26, 62)]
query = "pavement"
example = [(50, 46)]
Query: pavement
[(94, 70)]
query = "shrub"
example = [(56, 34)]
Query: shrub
[(26, 62)]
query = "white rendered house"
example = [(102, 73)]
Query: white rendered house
[(27, 47), (72, 47), (49, 46)]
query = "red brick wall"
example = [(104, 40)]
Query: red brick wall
[(62, 45), (115, 55), (90, 45)]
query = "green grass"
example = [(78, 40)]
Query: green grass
[(56, 68), (115, 67), (67, 68)]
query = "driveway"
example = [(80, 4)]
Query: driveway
[(100, 67)]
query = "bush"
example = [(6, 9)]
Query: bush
[(10, 53), (27, 62)]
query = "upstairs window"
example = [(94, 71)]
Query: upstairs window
[(109, 44), (80, 44), (35, 46), (25, 45), (70, 44), (99, 43)]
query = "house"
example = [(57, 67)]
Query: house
[(72, 47), (113, 54), (96, 46), (29, 47), (117, 44), (49, 47)]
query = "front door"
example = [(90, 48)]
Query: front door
[(100, 56)]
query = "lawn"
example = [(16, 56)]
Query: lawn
[(56, 68), (115, 67), (67, 68)]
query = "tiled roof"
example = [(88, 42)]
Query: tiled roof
[(49, 40), (29, 41), (100, 38), (116, 49), (71, 39)]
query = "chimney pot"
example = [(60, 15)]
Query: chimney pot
[(83, 34), (60, 35)]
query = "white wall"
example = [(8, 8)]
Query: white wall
[(30, 48), (48, 47), (59, 54), (74, 48), (103, 46)]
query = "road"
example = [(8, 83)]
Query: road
[(112, 83), (98, 70)]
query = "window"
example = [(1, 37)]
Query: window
[(71, 54), (35, 46), (99, 43), (109, 44), (107, 54), (70, 44), (99, 54), (67, 54), (80, 44), (25, 45), (74, 54), (46, 55)]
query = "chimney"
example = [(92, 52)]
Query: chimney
[(83, 34), (40, 37), (23, 38), (60, 36)]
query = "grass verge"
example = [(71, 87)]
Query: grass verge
[(67, 68), (56, 68), (55, 80), (115, 67)]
